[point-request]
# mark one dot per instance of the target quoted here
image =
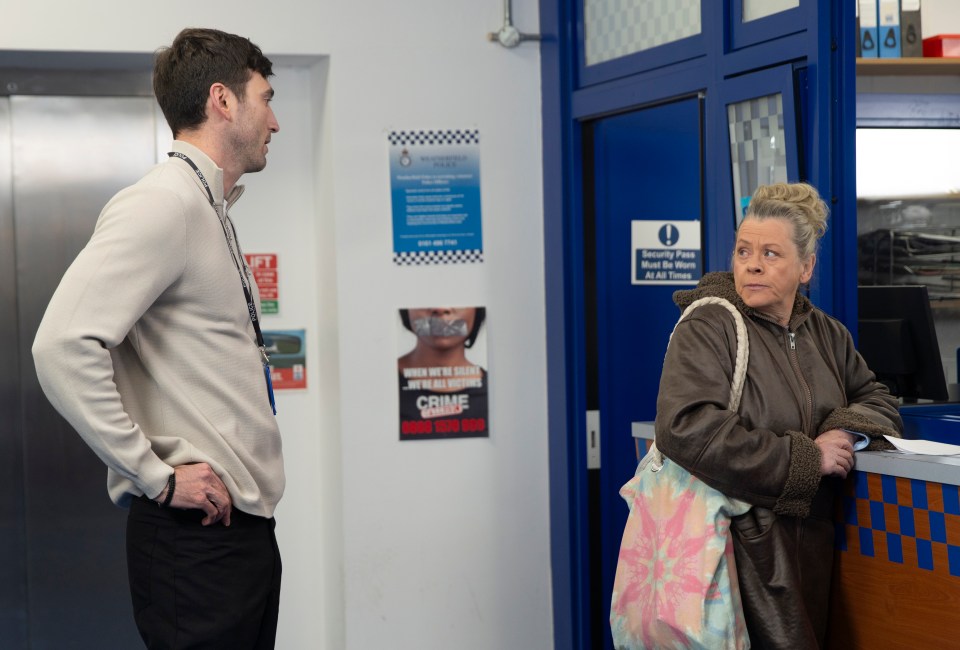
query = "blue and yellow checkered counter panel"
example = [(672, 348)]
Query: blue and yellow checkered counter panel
[(897, 570), (906, 521)]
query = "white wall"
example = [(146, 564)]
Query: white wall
[(431, 544), (939, 17)]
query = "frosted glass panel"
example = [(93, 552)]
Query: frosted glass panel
[(753, 9), (758, 149), (615, 28)]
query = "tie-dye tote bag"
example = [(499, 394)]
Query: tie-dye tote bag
[(676, 586), (676, 580)]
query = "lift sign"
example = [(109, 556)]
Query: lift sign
[(264, 268), (665, 252)]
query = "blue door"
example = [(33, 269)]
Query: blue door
[(644, 205)]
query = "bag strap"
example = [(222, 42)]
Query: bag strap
[(740, 362), (743, 345)]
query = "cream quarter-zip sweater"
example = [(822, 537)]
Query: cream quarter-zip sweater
[(147, 348)]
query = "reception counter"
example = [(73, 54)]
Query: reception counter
[(897, 577)]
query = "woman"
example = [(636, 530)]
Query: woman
[(785, 450)]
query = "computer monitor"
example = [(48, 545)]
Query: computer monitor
[(898, 340)]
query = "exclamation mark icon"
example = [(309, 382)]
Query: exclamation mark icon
[(669, 234)]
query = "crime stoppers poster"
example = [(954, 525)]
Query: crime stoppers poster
[(441, 371)]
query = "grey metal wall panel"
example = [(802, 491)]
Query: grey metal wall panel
[(70, 155), (13, 572)]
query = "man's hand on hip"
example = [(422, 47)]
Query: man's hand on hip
[(198, 487)]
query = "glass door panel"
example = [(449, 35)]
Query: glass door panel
[(761, 129), (758, 153), (754, 9), (616, 28)]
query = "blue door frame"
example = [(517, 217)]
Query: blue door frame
[(813, 40)]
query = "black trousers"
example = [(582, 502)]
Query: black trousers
[(202, 587)]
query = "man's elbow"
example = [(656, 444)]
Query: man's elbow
[(50, 349)]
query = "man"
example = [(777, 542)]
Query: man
[(149, 348)]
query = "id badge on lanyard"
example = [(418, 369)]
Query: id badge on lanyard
[(266, 373)]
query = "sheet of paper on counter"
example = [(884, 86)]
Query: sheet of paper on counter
[(925, 447)]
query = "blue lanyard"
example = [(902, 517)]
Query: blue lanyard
[(251, 306)]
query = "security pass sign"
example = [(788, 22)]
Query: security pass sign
[(665, 252)]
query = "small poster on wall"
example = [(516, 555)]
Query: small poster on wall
[(264, 269), (287, 350), (442, 373), (435, 196)]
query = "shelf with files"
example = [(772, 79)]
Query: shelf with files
[(908, 67)]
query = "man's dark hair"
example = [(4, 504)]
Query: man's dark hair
[(197, 59)]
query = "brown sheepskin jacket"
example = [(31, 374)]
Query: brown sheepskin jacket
[(802, 380)]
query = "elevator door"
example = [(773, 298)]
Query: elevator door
[(61, 159)]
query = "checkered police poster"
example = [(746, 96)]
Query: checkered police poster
[(435, 196)]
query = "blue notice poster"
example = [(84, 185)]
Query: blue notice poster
[(435, 192)]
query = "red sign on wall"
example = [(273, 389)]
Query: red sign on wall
[(264, 269)]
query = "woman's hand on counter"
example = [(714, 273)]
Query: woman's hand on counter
[(836, 452)]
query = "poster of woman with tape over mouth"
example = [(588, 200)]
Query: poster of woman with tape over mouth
[(442, 379)]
